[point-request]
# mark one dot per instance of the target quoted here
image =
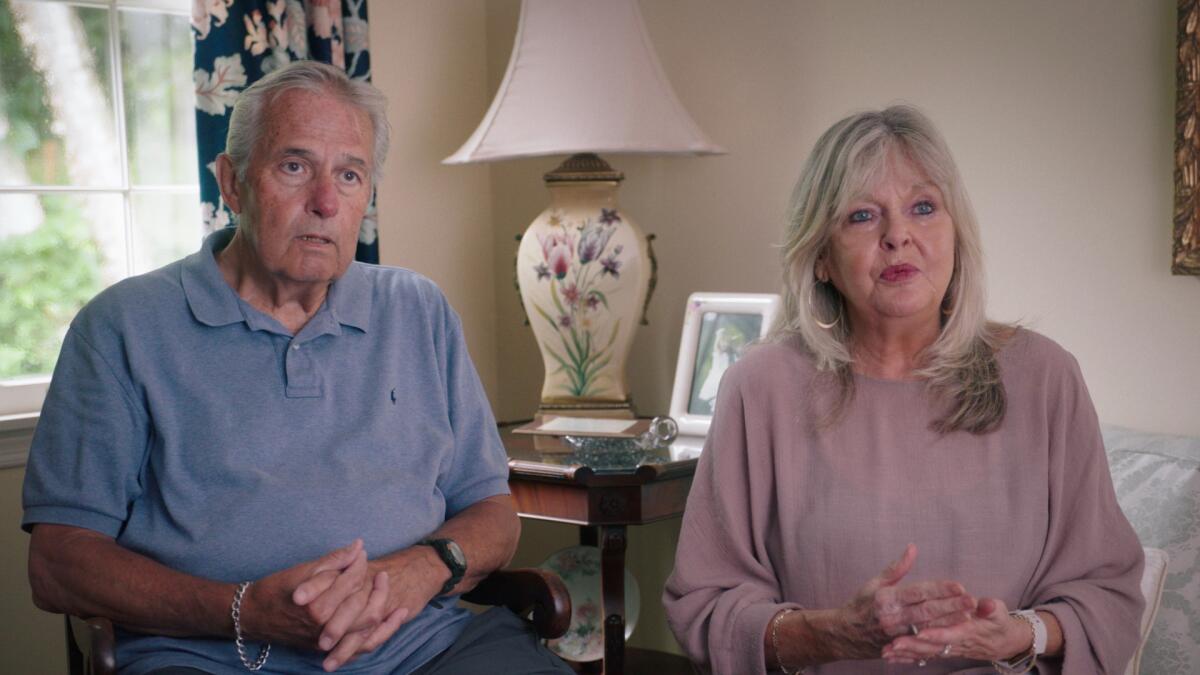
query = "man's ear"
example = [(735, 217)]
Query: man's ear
[(227, 180)]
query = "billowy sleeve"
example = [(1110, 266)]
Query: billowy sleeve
[(1090, 573), (724, 590)]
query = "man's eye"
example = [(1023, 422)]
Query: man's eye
[(351, 177), (860, 216), (923, 208), (292, 167)]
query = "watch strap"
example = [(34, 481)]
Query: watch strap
[(457, 567)]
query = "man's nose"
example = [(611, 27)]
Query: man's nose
[(323, 197)]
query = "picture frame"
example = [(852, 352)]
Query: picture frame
[(1185, 253), (717, 327)]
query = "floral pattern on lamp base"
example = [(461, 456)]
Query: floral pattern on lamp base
[(583, 275)]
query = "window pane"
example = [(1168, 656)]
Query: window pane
[(57, 125), (166, 227), (56, 252), (156, 61)]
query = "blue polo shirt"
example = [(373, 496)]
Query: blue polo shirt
[(200, 432)]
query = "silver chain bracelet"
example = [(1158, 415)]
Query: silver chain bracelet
[(775, 643), (239, 641)]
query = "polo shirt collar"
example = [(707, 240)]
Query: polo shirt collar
[(349, 299), (211, 300), (214, 303)]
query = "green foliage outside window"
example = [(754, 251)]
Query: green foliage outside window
[(23, 101), (77, 211), (48, 273), (45, 277)]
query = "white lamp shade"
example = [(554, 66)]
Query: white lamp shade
[(583, 77)]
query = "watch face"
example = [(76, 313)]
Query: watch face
[(457, 553)]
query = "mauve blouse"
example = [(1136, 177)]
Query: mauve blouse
[(783, 514)]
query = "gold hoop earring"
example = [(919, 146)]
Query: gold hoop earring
[(947, 310), (812, 308)]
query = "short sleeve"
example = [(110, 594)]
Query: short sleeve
[(479, 466), (91, 441)]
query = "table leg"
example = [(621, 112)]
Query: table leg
[(589, 536), (612, 585)]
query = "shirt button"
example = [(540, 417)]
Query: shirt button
[(295, 347)]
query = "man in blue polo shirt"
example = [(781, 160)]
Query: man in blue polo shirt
[(267, 455)]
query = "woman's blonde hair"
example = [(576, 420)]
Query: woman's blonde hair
[(961, 364)]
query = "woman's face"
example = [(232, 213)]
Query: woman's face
[(892, 255)]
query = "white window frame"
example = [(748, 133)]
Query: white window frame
[(21, 398)]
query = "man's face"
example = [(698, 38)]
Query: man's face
[(307, 186)]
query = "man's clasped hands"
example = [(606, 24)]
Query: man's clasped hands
[(341, 603)]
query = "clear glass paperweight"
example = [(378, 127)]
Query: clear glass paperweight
[(604, 451)]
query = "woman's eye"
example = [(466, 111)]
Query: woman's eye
[(923, 208), (860, 216)]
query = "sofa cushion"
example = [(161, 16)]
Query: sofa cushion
[(1157, 479), (1153, 577)]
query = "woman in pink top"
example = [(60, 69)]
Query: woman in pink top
[(893, 483)]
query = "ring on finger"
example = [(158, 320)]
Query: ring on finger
[(945, 651), (912, 629), (921, 663)]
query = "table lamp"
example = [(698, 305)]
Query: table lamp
[(583, 79)]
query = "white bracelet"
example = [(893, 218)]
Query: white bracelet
[(239, 641), (1039, 629), (1025, 662)]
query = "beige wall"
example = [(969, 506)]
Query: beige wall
[(31, 641), (429, 58), (1060, 115)]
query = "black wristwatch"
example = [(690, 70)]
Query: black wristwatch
[(453, 556)]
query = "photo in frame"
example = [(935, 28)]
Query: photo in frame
[(717, 328)]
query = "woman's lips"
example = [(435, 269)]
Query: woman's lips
[(895, 273)]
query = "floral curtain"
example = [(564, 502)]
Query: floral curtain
[(239, 41)]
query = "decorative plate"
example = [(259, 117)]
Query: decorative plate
[(579, 567)]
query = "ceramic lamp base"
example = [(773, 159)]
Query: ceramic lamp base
[(584, 272)]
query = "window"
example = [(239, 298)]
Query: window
[(97, 165)]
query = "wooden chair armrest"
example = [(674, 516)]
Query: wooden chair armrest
[(91, 646), (524, 589)]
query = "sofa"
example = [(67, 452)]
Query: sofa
[(1157, 479)]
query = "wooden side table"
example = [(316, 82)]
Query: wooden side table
[(603, 498)]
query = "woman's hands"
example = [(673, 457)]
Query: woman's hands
[(905, 624), (990, 635), (884, 609)]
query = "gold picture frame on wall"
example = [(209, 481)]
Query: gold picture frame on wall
[(1185, 257)]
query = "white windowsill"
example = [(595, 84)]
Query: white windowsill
[(16, 432)]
